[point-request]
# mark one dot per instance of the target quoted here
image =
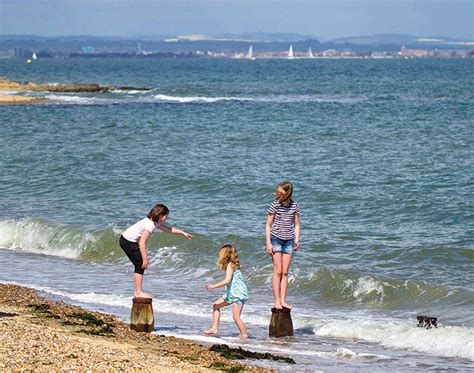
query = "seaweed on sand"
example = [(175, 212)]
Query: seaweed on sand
[(240, 353)]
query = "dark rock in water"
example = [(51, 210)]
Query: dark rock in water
[(129, 89), (240, 353), (6, 85), (427, 322), (280, 323), (141, 319), (72, 88)]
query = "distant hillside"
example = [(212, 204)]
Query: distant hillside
[(267, 37), (384, 39), (261, 42)]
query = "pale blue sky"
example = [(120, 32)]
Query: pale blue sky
[(324, 19)]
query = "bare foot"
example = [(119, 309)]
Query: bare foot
[(143, 295), (286, 305), (277, 306), (211, 331), (244, 336)]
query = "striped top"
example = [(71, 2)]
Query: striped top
[(283, 225)]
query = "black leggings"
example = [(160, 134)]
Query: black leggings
[(133, 252)]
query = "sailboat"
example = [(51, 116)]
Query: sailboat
[(250, 53), (290, 53), (310, 53), (33, 56)]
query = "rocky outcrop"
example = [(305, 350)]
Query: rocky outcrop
[(7, 85)]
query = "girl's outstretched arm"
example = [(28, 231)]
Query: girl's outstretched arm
[(173, 230), (228, 276), (268, 240), (297, 232)]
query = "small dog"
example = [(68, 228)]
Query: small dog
[(427, 322)]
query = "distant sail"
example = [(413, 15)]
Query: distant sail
[(34, 57), (250, 53), (310, 53), (290, 53)]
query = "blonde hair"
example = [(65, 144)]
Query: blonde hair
[(285, 198), (228, 254)]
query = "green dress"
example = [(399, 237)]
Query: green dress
[(236, 290)]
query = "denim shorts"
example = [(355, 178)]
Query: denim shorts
[(282, 246)]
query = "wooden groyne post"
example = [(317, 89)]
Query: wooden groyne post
[(281, 324), (141, 319)]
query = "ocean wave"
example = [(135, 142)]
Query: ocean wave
[(140, 97), (349, 354), (202, 99), (259, 99), (342, 286), (81, 100), (129, 91), (100, 245), (39, 237), (446, 341), (176, 257)]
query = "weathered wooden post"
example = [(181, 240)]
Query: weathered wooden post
[(141, 319), (281, 324)]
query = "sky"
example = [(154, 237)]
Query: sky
[(323, 19)]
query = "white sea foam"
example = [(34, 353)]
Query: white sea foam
[(82, 100), (443, 341), (9, 92), (266, 99), (368, 287), (174, 306), (202, 99), (128, 92), (166, 254), (349, 354), (143, 97), (311, 98), (36, 237)]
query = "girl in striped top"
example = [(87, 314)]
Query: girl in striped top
[(282, 233)]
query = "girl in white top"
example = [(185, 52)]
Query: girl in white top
[(133, 242)]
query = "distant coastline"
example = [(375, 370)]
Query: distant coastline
[(232, 46)]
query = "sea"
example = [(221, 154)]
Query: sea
[(380, 153)]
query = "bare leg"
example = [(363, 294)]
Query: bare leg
[(138, 281), (236, 312), (286, 260), (216, 315), (276, 279)]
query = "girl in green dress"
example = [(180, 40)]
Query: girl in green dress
[(236, 290)]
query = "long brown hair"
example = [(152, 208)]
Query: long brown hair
[(285, 198), (228, 254), (157, 211)]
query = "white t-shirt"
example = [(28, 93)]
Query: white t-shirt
[(134, 232)]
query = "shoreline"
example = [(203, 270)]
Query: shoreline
[(37, 333), (14, 99)]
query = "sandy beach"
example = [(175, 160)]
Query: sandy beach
[(44, 335), (14, 99)]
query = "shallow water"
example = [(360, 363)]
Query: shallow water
[(380, 153)]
